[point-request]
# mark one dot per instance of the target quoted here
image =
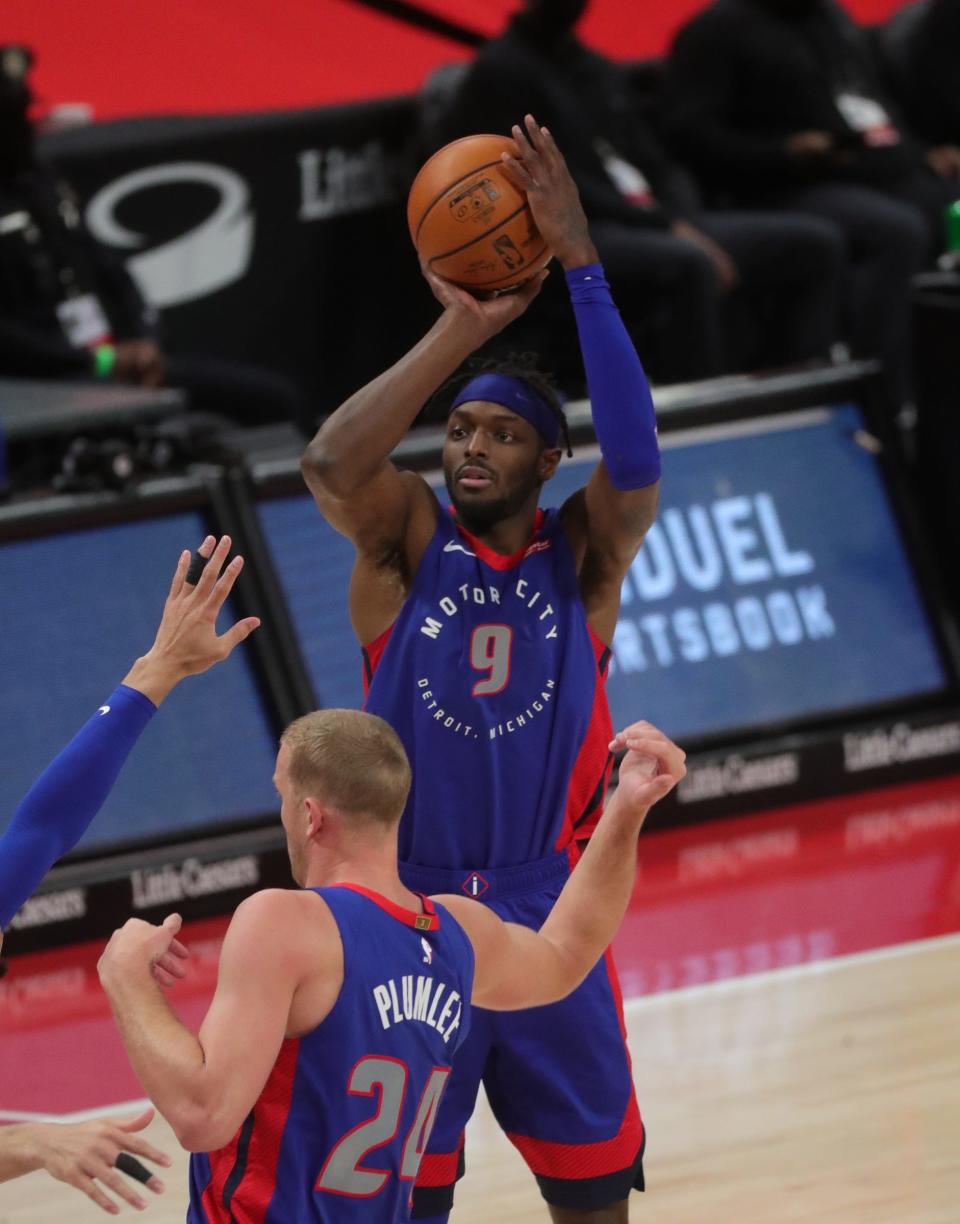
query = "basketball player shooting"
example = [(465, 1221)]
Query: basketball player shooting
[(312, 1087), (486, 633)]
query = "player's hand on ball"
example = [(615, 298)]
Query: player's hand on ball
[(652, 766), (490, 314), (539, 170)]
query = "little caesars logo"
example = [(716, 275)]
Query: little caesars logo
[(64, 906), (898, 744), (491, 650), (191, 878), (338, 182)]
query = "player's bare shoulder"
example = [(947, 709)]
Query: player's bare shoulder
[(389, 551), (294, 922)]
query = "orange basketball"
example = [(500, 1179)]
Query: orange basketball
[(469, 222)]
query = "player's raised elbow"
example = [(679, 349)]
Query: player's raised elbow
[(322, 468), (201, 1128)]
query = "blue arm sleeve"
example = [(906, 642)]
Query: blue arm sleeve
[(60, 805), (620, 398)]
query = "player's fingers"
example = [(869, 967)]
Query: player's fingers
[(640, 725), (533, 133), (122, 1189), (178, 949), (517, 174), (525, 149), (140, 1147), (137, 1122), (85, 1183), (179, 574), (198, 562), (237, 634), (212, 571), (664, 751), (131, 1167), (162, 977), (667, 747), (659, 786), (645, 740), (622, 739), (549, 146), (172, 964), (647, 735), (224, 586), (649, 731), (169, 970), (196, 567)]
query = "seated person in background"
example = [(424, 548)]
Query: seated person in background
[(69, 309), (777, 104), (665, 257), (924, 39)]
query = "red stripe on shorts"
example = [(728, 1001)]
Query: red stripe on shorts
[(577, 1161), (440, 1168)]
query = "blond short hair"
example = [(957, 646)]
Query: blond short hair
[(352, 761)]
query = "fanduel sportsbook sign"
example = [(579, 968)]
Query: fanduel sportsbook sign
[(773, 585)]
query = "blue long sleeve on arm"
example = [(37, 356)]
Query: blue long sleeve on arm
[(620, 399), (58, 808)]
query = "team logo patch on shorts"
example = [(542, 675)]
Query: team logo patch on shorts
[(474, 885)]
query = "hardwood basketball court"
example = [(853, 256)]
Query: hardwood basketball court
[(793, 985)]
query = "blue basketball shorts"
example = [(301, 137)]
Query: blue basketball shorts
[(558, 1078)]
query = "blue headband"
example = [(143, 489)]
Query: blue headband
[(519, 397)]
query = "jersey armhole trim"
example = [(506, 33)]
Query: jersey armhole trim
[(372, 653), (602, 652)]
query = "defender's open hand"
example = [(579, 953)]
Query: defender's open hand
[(187, 642)]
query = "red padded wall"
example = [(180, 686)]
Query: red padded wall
[(129, 57)]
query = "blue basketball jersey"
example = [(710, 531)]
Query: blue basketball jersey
[(494, 681), (337, 1134)]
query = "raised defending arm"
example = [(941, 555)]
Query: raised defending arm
[(60, 805), (519, 968)]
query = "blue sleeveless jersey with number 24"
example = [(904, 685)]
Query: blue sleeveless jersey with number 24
[(338, 1131), (495, 684)]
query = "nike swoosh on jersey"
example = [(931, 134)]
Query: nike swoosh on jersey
[(104, 710), (452, 546)]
